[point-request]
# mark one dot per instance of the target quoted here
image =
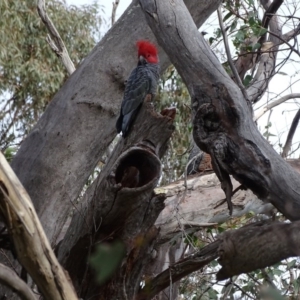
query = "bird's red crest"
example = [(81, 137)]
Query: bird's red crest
[(148, 50)]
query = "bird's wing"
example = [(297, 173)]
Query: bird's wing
[(137, 87)]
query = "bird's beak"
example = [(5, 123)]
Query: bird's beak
[(142, 59)]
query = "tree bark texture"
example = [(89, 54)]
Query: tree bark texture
[(31, 246), (121, 205), (223, 125), (63, 149), (56, 159), (243, 250)]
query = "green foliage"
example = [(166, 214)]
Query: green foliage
[(30, 73), (9, 153), (173, 92), (106, 259)]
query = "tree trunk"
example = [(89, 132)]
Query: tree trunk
[(223, 125), (56, 159)]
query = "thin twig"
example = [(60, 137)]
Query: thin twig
[(268, 107), (231, 64), (187, 165), (289, 139), (114, 10), (55, 41), (284, 42)]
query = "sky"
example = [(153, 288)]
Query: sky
[(107, 5), (281, 116)]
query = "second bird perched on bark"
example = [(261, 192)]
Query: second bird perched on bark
[(141, 82)]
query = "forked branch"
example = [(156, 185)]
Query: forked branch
[(54, 39)]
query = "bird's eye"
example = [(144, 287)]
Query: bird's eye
[(148, 55)]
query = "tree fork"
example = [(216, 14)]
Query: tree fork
[(228, 123)]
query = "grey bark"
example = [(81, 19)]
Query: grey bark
[(114, 210), (223, 125), (56, 159), (243, 250), (63, 149)]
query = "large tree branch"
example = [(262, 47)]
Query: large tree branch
[(188, 211), (240, 251), (179, 270), (266, 62), (264, 72), (266, 68), (57, 157), (121, 204), (223, 126), (271, 9), (30, 243)]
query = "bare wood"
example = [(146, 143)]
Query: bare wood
[(275, 103), (9, 278), (246, 61), (198, 204), (288, 143), (267, 62), (30, 242), (264, 72), (271, 8), (114, 10), (54, 39)]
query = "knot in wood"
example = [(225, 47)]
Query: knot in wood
[(219, 148), (207, 113), (117, 74)]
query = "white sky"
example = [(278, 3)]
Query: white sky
[(107, 5), (281, 116)]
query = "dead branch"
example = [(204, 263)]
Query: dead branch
[(178, 270), (243, 250), (30, 242), (263, 74), (54, 39), (289, 140), (256, 246), (271, 9), (9, 278), (273, 104), (114, 10)]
